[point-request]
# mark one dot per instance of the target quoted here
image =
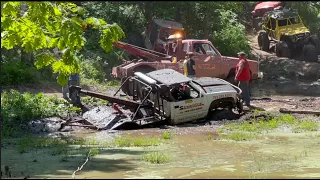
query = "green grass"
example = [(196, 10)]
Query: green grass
[(167, 135), (57, 145), (248, 130), (239, 136), (136, 142), (306, 126), (156, 158)]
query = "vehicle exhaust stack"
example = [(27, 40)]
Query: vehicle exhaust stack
[(145, 78)]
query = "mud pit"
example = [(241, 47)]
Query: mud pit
[(273, 155), (196, 151)]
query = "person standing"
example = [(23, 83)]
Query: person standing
[(189, 65), (73, 80), (243, 77)]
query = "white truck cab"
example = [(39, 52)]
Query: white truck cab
[(192, 99)]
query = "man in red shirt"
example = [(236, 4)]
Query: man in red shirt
[(243, 76)]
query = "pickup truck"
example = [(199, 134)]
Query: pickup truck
[(208, 61)]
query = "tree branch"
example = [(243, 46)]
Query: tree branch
[(80, 168)]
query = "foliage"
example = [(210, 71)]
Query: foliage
[(309, 12), (18, 109), (231, 38), (15, 72), (156, 158), (41, 26)]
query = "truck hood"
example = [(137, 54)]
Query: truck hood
[(293, 29)]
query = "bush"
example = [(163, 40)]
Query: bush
[(13, 73), (18, 109), (231, 38)]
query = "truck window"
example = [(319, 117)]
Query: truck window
[(185, 47), (273, 24), (197, 48), (283, 22), (209, 50)]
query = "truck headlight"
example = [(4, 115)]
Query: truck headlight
[(260, 75)]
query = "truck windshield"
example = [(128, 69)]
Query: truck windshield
[(209, 50), (290, 21), (204, 48)]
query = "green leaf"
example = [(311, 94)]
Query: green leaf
[(44, 60), (57, 12), (56, 66), (62, 79)]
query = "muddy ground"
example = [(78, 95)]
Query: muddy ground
[(195, 150)]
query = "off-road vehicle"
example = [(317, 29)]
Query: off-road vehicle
[(291, 36), (164, 95)]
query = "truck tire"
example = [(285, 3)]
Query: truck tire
[(231, 80), (310, 53), (315, 40), (282, 49), (263, 41)]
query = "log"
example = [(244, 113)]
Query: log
[(284, 110)]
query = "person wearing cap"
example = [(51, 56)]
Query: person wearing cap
[(189, 65), (243, 77)]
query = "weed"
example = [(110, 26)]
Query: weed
[(239, 136), (94, 151), (306, 126), (210, 137), (264, 125), (220, 130), (156, 158), (136, 142), (18, 109), (167, 135)]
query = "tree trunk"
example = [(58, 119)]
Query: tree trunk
[(148, 11), (206, 26), (178, 17)]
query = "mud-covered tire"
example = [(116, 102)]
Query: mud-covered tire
[(310, 53), (315, 40), (224, 114), (282, 49), (240, 106), (231, 80), (263, 40)]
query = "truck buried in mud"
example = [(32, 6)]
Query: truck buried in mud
[(208, 60), (163, 95)]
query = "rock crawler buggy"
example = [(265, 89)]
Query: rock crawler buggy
[(291, 36)]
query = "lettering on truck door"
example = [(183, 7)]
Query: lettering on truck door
[(206, 59), (189, 109)]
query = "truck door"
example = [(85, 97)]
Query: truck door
[(190, 108), (207, 60)]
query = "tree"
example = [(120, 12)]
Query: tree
[(39, 27)]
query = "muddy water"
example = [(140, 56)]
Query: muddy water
[(274, 155)]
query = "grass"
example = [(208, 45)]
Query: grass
[(156, 158), (57, 145), (240, 136), (248, 130), (306, 126), (167, 135), (136, 142)]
